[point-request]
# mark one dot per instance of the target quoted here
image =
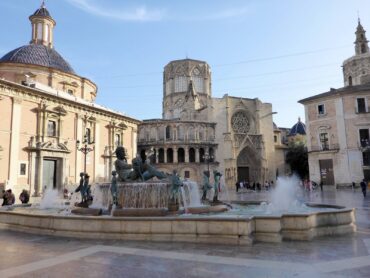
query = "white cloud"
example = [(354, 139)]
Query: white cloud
[(142, 13), (137, 14)]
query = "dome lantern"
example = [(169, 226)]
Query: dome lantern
[(42, 27)]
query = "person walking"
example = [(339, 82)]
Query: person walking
[(363, 187)]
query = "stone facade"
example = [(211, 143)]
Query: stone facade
[(44, 112), (236, 133), (337, 124)]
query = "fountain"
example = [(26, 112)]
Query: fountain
[(136, 207)]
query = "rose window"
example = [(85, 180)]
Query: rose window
[(240, 122)]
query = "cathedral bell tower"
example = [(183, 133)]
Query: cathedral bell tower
[(42, 27), (361, 43), (356, 69)]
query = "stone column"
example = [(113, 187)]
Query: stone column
[(175, 156), (96, 151), (134, 142), (78, 153), (39, 165), (197, 157), (186, 149), (165, 155), (14, 145)]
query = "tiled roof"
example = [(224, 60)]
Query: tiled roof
[(42, 11), (298, 128), (37, 54)]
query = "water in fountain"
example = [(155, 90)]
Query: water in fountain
[(285, 195), (51, 200), (224, 190), (184, 201), (97, 198), (138, 194), (193, 196)]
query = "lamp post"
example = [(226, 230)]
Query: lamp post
[(85, 149), (208, 158)]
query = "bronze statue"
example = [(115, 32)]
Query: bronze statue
[(113, 188), (176, 183), (123, 169), (206, 185)]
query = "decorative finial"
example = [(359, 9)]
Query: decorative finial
[(43, 4), (358, 17), (299, 119)]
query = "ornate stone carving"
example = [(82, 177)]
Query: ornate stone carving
[(240, 122)]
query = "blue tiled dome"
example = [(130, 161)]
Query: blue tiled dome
[(298, 128), (36, 54), (42, 11)]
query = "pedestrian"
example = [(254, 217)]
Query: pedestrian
[(24, 197), (237, 186), (10, 198), (321, 185), (5, 198), (363, 187)]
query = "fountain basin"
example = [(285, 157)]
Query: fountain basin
[(213, 228), (207, 209), (139, 212)]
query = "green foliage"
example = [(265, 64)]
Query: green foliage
[(297, 158)]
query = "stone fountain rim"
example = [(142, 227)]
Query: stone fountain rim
[(172, 218)]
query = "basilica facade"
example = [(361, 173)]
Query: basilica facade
[(198, 132), (49, 115)]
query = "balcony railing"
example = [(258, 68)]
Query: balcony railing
[(324, 148)]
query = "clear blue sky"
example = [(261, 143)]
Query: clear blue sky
[(279, 50)]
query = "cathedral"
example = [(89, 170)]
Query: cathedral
[(200, 133)]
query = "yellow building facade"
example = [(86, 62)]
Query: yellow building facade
[(46, 109)]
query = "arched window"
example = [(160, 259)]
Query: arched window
[(180, 155), (168, 132), (181, 84), (363, 48), (161, 156), (191, 133), (201, 155), (52, 128), (39, 31), (153, 134), (117, 140), (350, 81), (180, 133), (169, 155), (191, 155)]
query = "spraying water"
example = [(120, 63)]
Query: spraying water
[(192, 189), (97, 198), (51, 199), (285, 195)]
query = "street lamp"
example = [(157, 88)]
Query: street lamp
[(208, 158), (85, 149)]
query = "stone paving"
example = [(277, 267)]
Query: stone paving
[(25, 255)]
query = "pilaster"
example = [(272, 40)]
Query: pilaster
[(14, 142)]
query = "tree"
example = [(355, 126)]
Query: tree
[(297, 158)]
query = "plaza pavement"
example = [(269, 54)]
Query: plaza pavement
[(26, 255)]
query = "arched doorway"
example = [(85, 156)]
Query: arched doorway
[(180, 155), (191, 155), (248, 166), (169, 155)]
